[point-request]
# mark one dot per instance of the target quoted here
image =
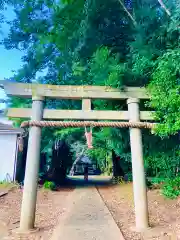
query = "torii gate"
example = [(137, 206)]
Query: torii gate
[(38, 93)]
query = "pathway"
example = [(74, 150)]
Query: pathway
[(87, 219)]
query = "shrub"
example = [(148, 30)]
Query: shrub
[(158, 180), (117, 180), (149, 184), (49, 185), (129, 177), (157, 183), (171, 188)]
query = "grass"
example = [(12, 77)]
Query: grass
[(8, 185)]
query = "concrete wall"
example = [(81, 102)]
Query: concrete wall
[(8, 152)]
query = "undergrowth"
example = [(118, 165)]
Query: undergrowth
[(49, 185), (171, 188), (5, 184)]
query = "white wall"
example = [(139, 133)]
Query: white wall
[(7, 155)]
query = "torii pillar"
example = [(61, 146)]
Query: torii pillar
[(28, 207), (139, 182)]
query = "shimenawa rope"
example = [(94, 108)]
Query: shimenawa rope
[(43, 124)]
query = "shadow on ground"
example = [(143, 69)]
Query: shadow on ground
[(78, 181)]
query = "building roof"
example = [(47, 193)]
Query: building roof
[(85, 159), (7, 128)]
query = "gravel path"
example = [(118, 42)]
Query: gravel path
[(88, 219), (164, 214), (50, 206)]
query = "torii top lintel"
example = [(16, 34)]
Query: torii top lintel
[(71, 91)]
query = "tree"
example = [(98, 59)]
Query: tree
[(113, 43), (165, 92)]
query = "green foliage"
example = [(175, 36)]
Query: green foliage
[(171, 188), (70, 134), (161, 160), (161, 156), (97, 43), (49, 185), (105, 69), (104, 141), (157, 180), (165, 92), (129, 177)]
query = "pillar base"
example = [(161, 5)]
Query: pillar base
[(139, 230), (20, 231)]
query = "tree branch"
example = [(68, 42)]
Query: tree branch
[(164, 7), (128, 13)]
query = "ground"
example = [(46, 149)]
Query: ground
[(164, 214), (51, 206)]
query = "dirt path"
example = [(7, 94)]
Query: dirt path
[(50, 206), (164, 214)]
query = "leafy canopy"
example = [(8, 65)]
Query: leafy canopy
[(113, 43)]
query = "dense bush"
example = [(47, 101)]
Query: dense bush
[(49, 185), (171, 188)]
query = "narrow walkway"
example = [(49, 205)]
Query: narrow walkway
[(87, 219)]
